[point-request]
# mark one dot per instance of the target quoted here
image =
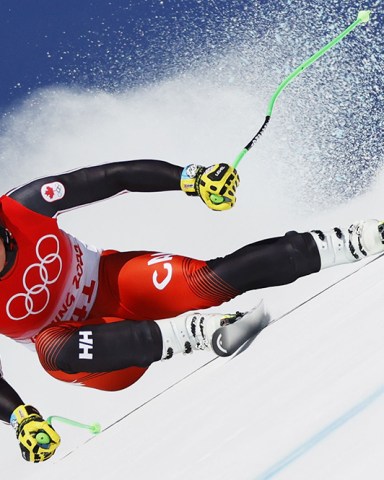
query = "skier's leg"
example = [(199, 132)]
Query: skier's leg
[(282, 260), (111, 353), (103, 353), (270, 262), (151, 286)]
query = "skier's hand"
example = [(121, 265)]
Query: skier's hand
[(215, 185), (38, 440)]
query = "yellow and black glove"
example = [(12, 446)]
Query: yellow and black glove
[(38, 440), (215, 185)]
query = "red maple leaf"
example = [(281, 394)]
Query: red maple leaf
[(49, 192)]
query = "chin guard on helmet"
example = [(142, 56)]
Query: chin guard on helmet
[(5, 236), (10, 249)]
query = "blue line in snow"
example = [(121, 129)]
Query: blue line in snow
[(321, 435)]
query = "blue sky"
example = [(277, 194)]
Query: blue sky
[(113, 44), (104, 43)]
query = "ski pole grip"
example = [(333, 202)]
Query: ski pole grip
[(364, 16), (43, 439), (216, 199)]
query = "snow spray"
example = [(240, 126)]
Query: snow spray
[(363, 17)]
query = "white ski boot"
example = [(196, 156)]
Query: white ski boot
[(361, 239), (222, 333)]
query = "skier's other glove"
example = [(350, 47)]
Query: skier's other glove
[(215, 185), (38, 440)]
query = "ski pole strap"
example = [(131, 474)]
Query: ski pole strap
[(94, 428)]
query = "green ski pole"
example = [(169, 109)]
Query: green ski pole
[(363, 17)]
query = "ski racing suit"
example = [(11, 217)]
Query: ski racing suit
[(89, 313)]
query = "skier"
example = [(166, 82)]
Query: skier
[(101, 318)]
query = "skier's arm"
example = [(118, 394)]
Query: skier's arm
[(9, 400), (28, 423), (58, 193), (54, 194)]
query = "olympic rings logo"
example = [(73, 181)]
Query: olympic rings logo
[(35, 280)]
